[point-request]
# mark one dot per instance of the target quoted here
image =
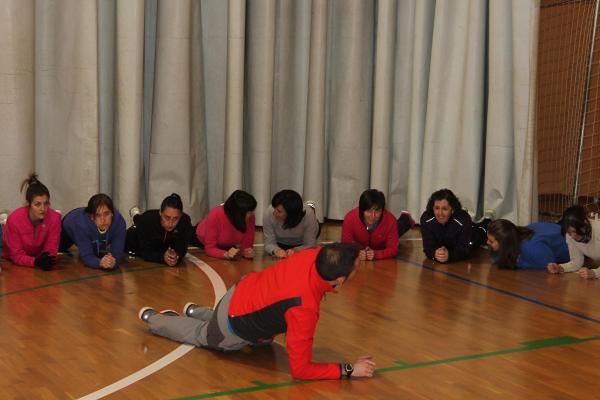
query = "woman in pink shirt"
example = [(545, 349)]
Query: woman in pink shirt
[(372, 227), (32, 232), (228, 229)]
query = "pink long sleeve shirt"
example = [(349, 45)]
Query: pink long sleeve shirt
[(22, 241), (218, 235), (383, 239)]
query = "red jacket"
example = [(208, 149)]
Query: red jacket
[(22, 241), (384, 239), (218, 235), (286, 298)]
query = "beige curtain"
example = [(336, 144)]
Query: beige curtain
[(144, 98)]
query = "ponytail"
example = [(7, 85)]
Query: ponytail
[(34, 188)]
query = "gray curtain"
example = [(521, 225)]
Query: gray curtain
[(143, 98)]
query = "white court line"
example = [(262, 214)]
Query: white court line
[(219, 289)]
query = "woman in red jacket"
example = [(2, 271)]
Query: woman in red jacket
[(32, 232), (228, 229), (372, 227)]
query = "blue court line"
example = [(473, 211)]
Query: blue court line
[(503, 291)]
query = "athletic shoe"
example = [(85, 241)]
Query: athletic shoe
[(411, 220), (189, 308), (146, 312), (489, 214), (3, 218), (133, 211), (470, 212), (312, 204)]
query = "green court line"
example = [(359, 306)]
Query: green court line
[(82, 279), (400, 365)]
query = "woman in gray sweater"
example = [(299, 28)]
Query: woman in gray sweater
[(289, 225)]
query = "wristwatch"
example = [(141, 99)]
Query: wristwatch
[(348, 370)]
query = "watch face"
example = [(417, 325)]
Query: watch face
[(349, 368)]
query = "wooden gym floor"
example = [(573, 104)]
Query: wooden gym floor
[(458, 331)]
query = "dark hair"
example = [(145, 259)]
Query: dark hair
[(172, 201), (443, 194), (336, 259), (292, 204), (575, 217), (98, 200), (368, 199), (34, 188), (509, 237), (236, 206)]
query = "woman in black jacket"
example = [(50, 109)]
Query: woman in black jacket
[(448, 232), (161, 235)]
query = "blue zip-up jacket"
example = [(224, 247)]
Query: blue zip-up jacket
[(84, 233), (545, 246)]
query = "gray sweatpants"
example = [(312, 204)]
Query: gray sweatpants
[(207, 329)]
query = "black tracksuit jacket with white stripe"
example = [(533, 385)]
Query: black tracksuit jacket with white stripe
[(455, 235)]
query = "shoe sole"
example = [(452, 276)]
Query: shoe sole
[(142, 311)]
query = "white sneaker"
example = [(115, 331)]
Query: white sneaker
[(3, 218), (133, 211), (311, 203), (489, 213)]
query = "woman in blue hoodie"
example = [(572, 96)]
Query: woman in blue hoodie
[(98, 230), (529, 247)]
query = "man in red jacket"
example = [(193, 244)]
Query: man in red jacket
[(284, 298)]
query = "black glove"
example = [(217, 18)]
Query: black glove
[(44, 261)]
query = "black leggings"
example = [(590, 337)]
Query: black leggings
[(65, 241)]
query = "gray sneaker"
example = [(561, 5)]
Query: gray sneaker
[(189, 308), (146, 312)]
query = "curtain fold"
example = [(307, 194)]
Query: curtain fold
[(234, 111), (66, 101), (510, 139), (177, 162), (106, 92), (415, 21), (315, 166), (454, 123), (17, 98), (349, 103), (128, 176), (383, 93), (290, 97), (258, 113)]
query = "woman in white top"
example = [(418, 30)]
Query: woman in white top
[(289, 225), (583, 239)]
